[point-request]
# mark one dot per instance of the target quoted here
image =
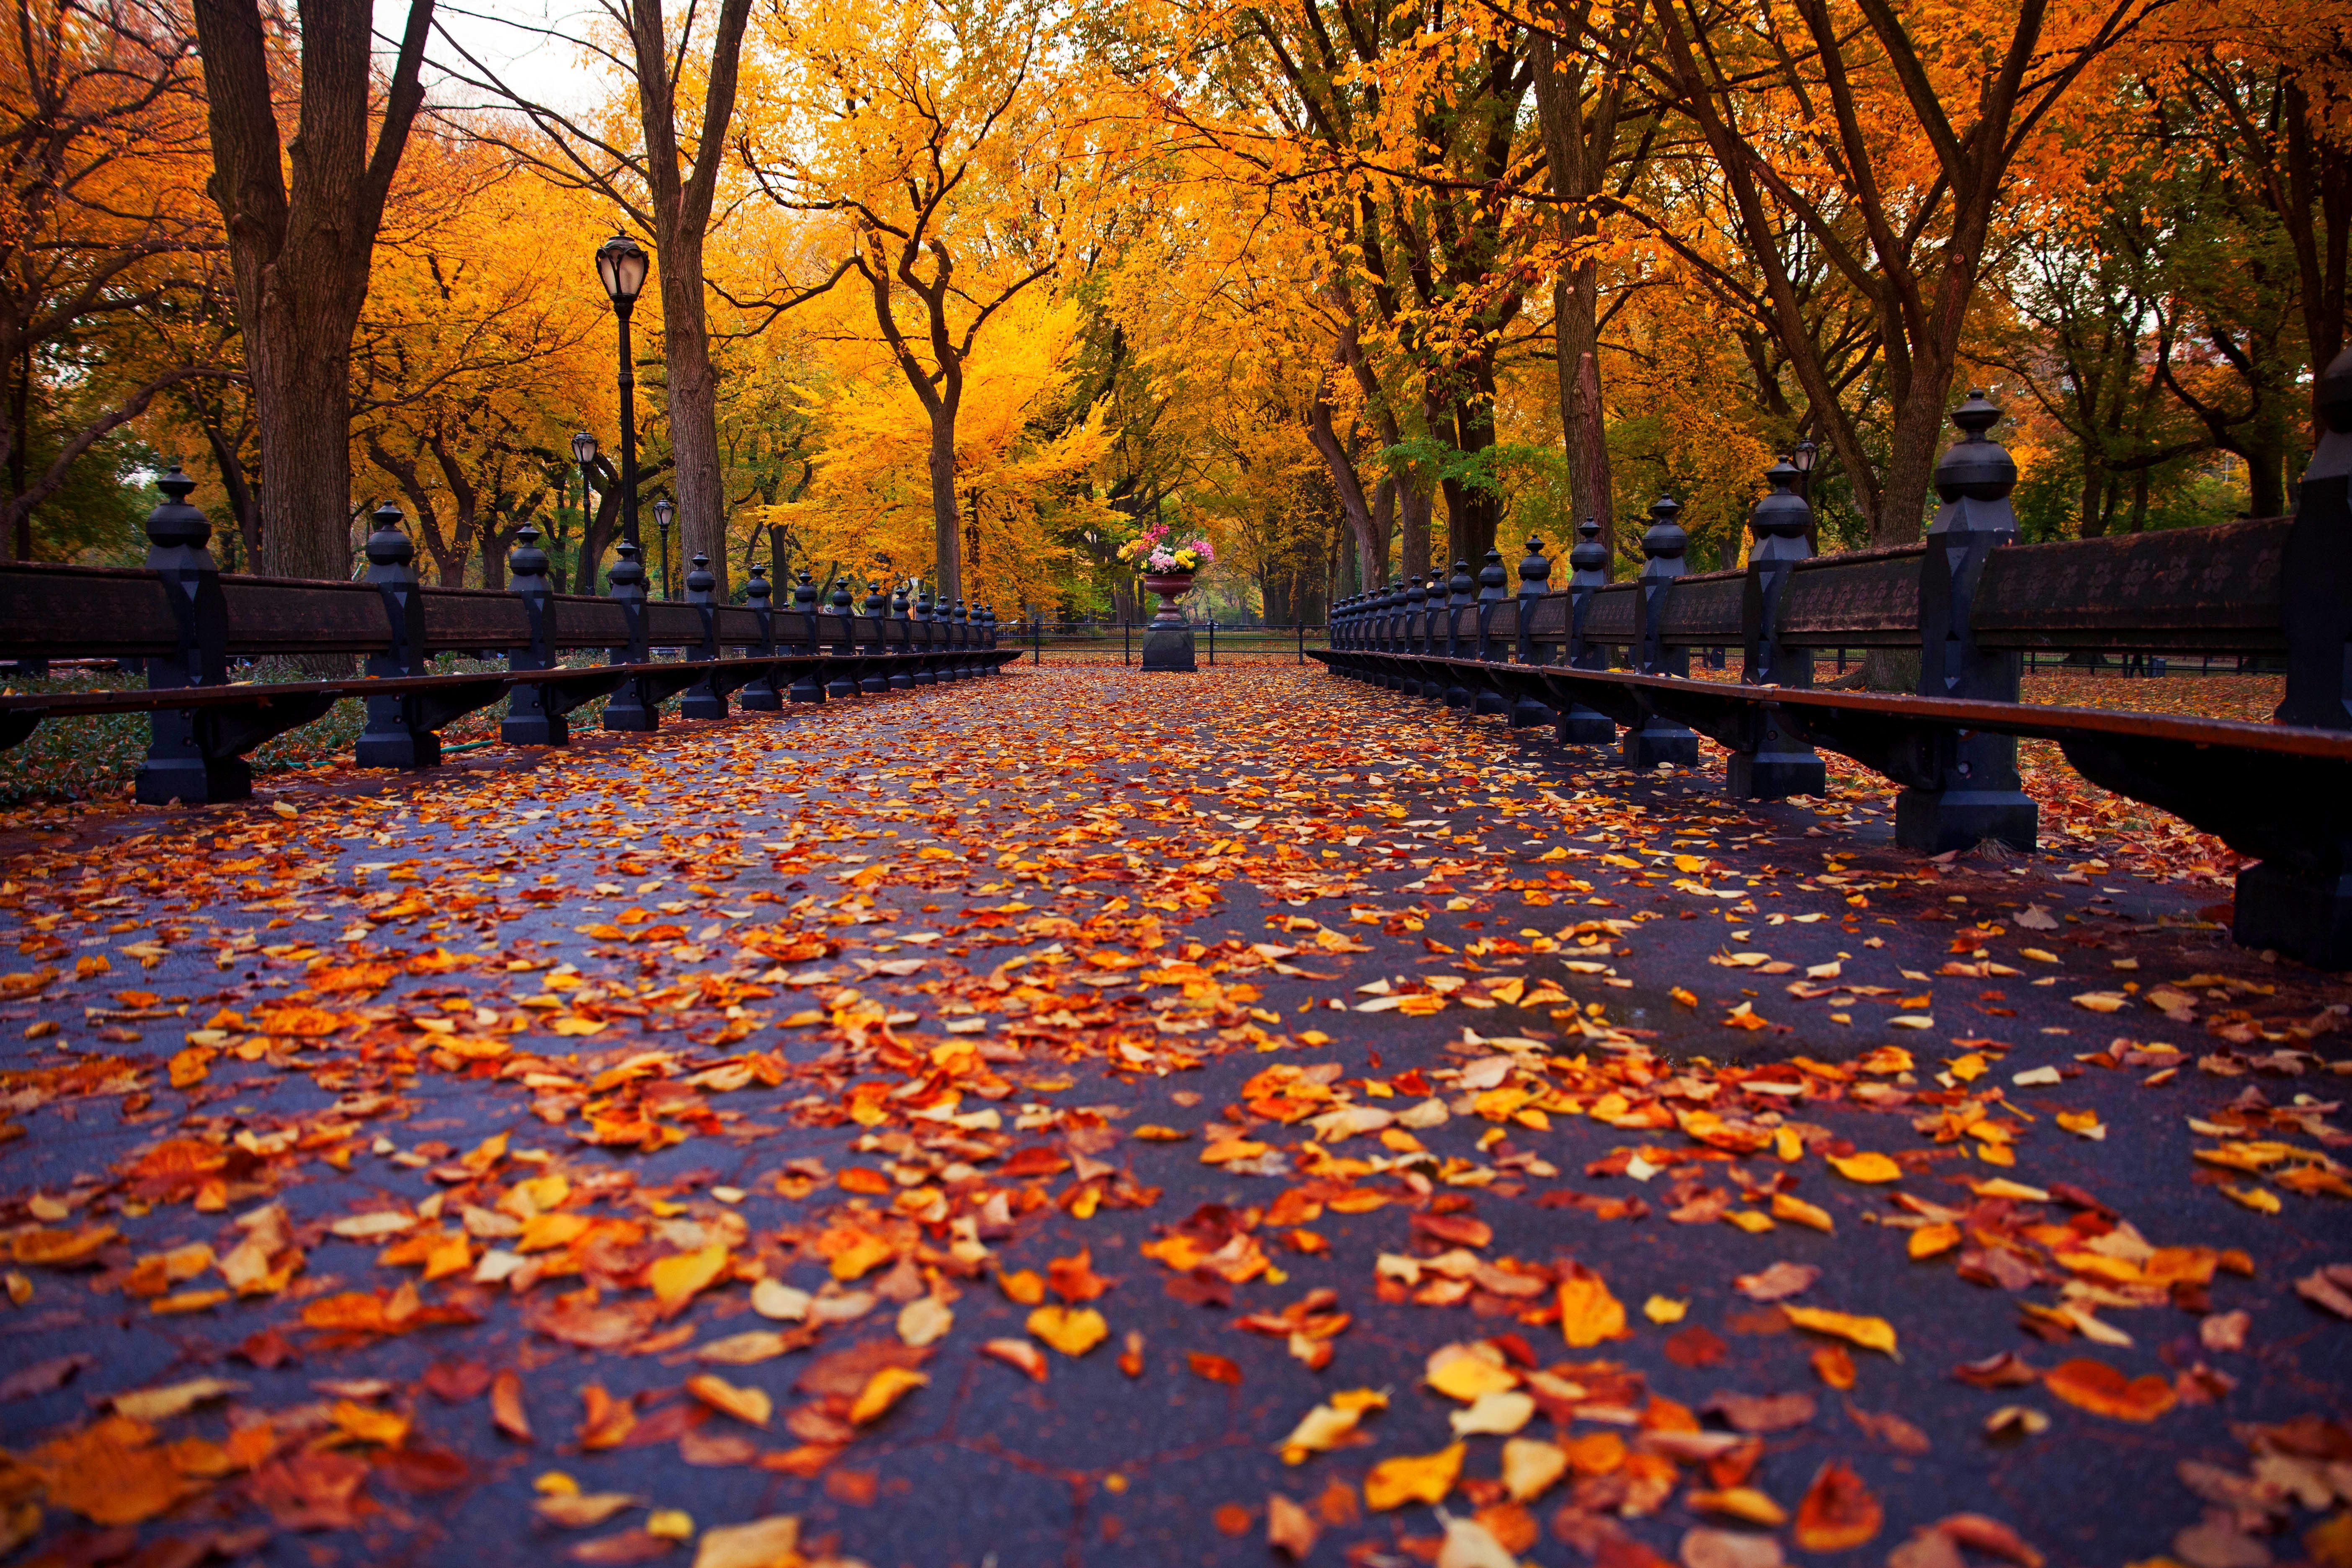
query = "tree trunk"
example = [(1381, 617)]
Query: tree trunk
[(1415, 505), (945, 539), (300, 247), (1474, 512), (693, 402)]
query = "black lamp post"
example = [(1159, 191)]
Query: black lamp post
[(621, 265), (1803, 460), (664, 510), (583, 452)]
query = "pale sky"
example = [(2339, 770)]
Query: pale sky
[(548, 73)]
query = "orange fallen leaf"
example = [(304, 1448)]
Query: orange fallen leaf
[(506, 1413), (1215, 1368), (750, 1406), (109, 1472), (1019, 1354), (2094, 1385), (607, 1420), (1838, 1512)]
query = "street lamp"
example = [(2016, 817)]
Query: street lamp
[(583, 452), (664, 510), (1803, 460), (620, 264)]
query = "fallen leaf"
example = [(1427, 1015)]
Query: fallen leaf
[(506, 1412), (925, 1319), (1589, 1314), (152, 1405), (1290, 1528), (675, 1280), (1074, 1332), (1838, 1512), (1868, 1168), (1416, 1478), (1870, 1333), (750, 1406), (1215, 1368), (2094, 1385), (1777, 1283), (884, 1389), (770, 1542), (1018, 1353)]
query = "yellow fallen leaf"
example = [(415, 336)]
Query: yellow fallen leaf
[(883, 1390), (2100, 1001), (2085, 1124), (1658, 1310), (675, 1279), (1749, 1220), (1492, 1416), (1414, 1478), (924, 1319), (750, 1405), (1588, 1312), (1868, 1167), (1743, 1504), (2039, 955), (1074, 1332), (153, 1405), (1328, 1423), (1687, 998), (1467, 1375), (1531, 1466), (1797, 1211), (2262, 1200), (1870, 1333), (1929, 1240), (366, 1424)]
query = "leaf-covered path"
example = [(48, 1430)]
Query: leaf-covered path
[(1085, 1118)]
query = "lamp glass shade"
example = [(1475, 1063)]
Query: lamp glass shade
[(663, 512), (621, 267), (1802, 458), (583, 448)]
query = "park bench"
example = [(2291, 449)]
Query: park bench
[(1970, 601), (186, 621)]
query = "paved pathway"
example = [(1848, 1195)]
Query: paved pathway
[(584, 1153)]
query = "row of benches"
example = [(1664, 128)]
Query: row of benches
[(1971, 600), (187, 621)]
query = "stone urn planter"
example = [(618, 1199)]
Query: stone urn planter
[(1168, 640)]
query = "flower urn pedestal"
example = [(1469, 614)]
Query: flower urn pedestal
[(1168, 640)]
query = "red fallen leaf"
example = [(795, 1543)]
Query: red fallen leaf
[(666, 1424), (1697, 1346), (1074, 1279), (2006, 1369), (1204, 1287), (713, 1450), (266, 1349), (628, 1546), (44, 1375), (319, 1489), (1762, 1413), (845, 1373), (1890, 1429), (455, 1382), (1215, 1368), (424, 1470), (1454, 1229), (506, 1413), (1989, 1536), (855, 1487), (1838, 1512), (1037, 1160), (1777, 1283), (2102, 1390)]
